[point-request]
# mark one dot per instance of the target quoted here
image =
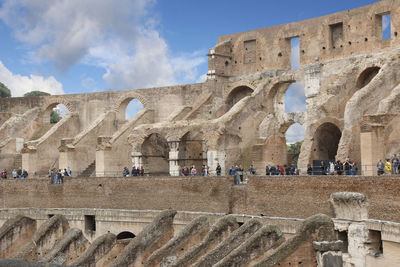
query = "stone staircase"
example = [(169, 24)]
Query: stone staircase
[(198, 105), (17, 162), (41, 131), (89, 171)]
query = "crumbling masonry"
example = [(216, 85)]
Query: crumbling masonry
[(349, 72)]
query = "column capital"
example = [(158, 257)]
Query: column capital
[(174, 145)]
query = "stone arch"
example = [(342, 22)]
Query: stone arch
[(366, 76), (155, 154), (238, 84), (50, 104), (236, 94), (125, 235), (193, 149), (274, 99), (123, 101), (326, 138), (338, 123)]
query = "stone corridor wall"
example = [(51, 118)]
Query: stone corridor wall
[(290, 197)]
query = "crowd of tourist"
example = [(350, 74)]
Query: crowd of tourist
[(57, 176), (391, 166), (22, 174), (192, 171), (387, 167), (281, 170), (135, 171), (334, 168)]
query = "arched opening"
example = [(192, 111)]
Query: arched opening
[(155, 155), (125, 235), (294, 139), (326, 142), (366, 76), (129, 108), (193, 151), (54, 113), (286, 96), (295, 98), (236, 95)]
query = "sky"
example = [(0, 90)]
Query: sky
[(76, 46)]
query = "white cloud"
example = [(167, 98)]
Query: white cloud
[(61, 109), (19, 85), (202, 78), (119, 36), (295, 98), (89, 84), (295, 133)]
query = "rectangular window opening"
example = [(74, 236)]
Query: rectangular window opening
[(295, 52), (386, 27), (250, 47), (343, 235), (336, 35), (375, 243), (90, 223)]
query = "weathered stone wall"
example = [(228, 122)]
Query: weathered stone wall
[(291, 197), (269, 48), (349, 74)]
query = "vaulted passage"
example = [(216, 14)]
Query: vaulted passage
[(236, 95), (326, 142), (193, 151), (155, 153), (125, 235), (366, 76)]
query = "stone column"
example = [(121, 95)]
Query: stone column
[(137, 159), (371, 149), (103, 150), (213, 158), (29, 157), (349, 206), (174, 168)]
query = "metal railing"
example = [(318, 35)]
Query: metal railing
[(364, 170)]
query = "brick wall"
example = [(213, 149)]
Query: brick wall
[(294, 197)]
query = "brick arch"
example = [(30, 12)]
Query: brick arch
[(237, 93), (50, 101), (284, 127), (235, 85), (132, 95), (192, 148), (137, 137), (363, 71), (325, 140), (278, 87), (124, 101), (331, 120), (155, 153)]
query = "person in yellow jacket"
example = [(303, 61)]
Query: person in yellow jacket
[(388, 167)]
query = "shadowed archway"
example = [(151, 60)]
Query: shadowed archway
[(326, 142)]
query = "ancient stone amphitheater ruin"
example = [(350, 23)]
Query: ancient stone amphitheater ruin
[(351, 76)]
